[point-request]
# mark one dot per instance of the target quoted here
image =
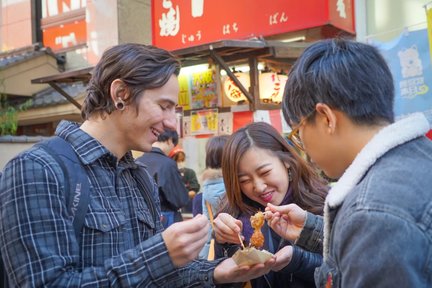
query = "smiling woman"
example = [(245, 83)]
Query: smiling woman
[(260, 167)]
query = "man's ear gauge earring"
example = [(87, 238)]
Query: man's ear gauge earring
[(120, 105)]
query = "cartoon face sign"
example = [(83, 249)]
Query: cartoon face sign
[(411, 65)]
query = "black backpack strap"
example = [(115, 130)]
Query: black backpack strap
[(147, 182), (76, 182)]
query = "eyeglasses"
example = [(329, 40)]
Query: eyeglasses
[(294, 135)]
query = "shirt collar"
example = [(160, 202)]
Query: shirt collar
[(88, 148)]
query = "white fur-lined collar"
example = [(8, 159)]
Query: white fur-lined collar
[(389, 137)]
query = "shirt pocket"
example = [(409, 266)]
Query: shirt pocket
[(104, 221), (328, 275), (145, 217)]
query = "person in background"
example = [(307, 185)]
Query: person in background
[(213, 184), (377, 219), (188, 175), (197, 205), (172, 192), (131, 99), (260, 167)]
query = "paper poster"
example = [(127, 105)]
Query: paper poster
[(273, 117), (261, 116), (204, 122), (203, 89), (409, 61), (285, 127), (429, 26), (179, 122), (240, 119), (184, 94), (186, 126), (225, 123)]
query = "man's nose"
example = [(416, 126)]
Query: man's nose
[(170, 123)]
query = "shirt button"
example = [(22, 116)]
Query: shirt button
[(206, 278)]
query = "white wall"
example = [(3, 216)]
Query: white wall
[(386, 19), (10, 150)]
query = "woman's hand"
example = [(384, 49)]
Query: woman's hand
[(228, 272), (227, 229), (287, 220)]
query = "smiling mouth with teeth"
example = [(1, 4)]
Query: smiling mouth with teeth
[(155, 132)]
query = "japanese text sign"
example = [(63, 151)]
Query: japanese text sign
[(183, 23)]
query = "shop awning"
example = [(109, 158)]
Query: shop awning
[(226, 52), (81, 75), (223, 53)]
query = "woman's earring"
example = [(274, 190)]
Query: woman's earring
[(120, 105), (289, 175)]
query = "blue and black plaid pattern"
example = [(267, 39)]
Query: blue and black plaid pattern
[(121, 240)]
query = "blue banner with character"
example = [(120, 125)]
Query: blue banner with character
[(409, 61)]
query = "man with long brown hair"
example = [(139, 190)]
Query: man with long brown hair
[(131, 100)]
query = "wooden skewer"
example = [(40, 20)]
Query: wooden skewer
[(241, 241)]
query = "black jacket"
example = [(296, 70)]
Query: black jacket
[(172, 191)]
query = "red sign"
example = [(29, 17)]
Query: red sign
[(184, 23), (65, 36), (342, 14)]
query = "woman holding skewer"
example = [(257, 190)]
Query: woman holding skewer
[(260, 167)]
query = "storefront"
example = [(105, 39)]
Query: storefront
[(235, 57)]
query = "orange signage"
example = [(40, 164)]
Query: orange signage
[(66, 35), (184, 23)]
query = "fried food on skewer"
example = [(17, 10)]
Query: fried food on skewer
[(257, 221)]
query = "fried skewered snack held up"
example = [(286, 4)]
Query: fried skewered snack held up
[(252, 255), (257, 221)]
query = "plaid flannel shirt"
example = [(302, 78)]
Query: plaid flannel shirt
[(121, 242)]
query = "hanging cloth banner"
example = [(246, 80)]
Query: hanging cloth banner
[(409, 60), (429, 25)]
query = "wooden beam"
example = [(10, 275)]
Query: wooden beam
[(64, 94), (222, 63)]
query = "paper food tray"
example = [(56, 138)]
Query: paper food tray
[(251, 256)]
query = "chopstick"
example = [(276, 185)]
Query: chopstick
[(210, 212)]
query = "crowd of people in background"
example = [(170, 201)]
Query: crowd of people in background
[(371, 228)]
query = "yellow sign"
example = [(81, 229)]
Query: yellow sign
[(429, 24), (204, 122), (184, 95)]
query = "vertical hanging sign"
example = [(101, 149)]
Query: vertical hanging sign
[(429, 25)]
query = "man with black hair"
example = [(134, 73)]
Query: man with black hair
[(377, 218), (172, 191)]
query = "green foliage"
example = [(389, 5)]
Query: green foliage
[(9, 116)]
